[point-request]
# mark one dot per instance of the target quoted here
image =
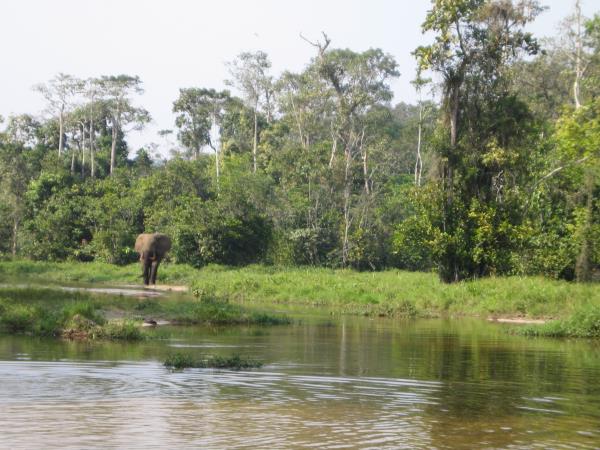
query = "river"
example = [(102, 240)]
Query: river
[(327, 383)]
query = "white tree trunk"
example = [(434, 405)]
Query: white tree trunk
[(15, 231), (347, 218), (61, 130), (419, 162), (578, 57), (255, 144), (113, 147)]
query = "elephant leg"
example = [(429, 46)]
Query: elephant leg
[(154, 271), (146, 270)]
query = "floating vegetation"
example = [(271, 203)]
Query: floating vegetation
[(234, 362)]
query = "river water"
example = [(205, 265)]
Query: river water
[(326, 383)]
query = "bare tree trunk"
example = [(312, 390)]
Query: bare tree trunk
[(83, 161), (216, 147), (255, 143), (454, 117), (419, 162), (333, 148), (92, 162), (365, 159), (73, 159), (347, 218), (61, 130), (15, 231), (303, 141), (113, 147), (578, 56), (91, 137)]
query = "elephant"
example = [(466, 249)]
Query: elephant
[(152, 248)]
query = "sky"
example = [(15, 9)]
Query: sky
[(173, 44)]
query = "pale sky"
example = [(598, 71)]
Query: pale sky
[(172, 44)]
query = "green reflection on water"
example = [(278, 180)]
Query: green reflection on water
[(490, 388)]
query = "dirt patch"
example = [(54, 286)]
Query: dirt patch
[(517, 320), (167, 288)]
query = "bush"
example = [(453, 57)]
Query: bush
[(126, 330)]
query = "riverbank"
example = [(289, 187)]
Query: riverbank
[(76, 314), (390, 293)]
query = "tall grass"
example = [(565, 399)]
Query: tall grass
[(388, 293)]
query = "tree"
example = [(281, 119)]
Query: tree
[(578, 138), (356, 82), (59, 92), (91, 92), (199, 112), (250, 76), (14, 177), (116, 92), (475, 42), (419, 83), (573, 46)]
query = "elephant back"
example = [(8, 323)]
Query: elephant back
[(153, 242)]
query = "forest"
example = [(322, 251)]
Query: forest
[(494, 171)]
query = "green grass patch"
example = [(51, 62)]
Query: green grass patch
[(90, 272), (80, 315), (234, 362), (223, 294), (583, 323)]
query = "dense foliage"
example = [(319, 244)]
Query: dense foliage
[(501, 176)]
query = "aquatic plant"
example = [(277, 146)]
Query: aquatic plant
[(233, 362)]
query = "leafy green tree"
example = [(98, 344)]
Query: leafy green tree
[(55, 222), (114, 216), (481, 160), (356, 82), (14, 176), (578, 138)]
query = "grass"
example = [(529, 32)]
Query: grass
[(222, 291), (80, 315), (90, 272), (234, 362), (47, 312), (395, 293), (583, 323)]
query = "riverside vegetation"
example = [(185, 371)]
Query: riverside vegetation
[(491, 186), (81, 315), (222, 292)]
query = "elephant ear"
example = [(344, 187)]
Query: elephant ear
[(140, 242)]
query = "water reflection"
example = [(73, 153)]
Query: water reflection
[(358, 383)]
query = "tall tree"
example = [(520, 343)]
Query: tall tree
[(578, 138), (250, 75), (419, 82), (574, 47), (14, 177), (117, 92), (475, 42), (356, 82), (199, 112), (59, 92)]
